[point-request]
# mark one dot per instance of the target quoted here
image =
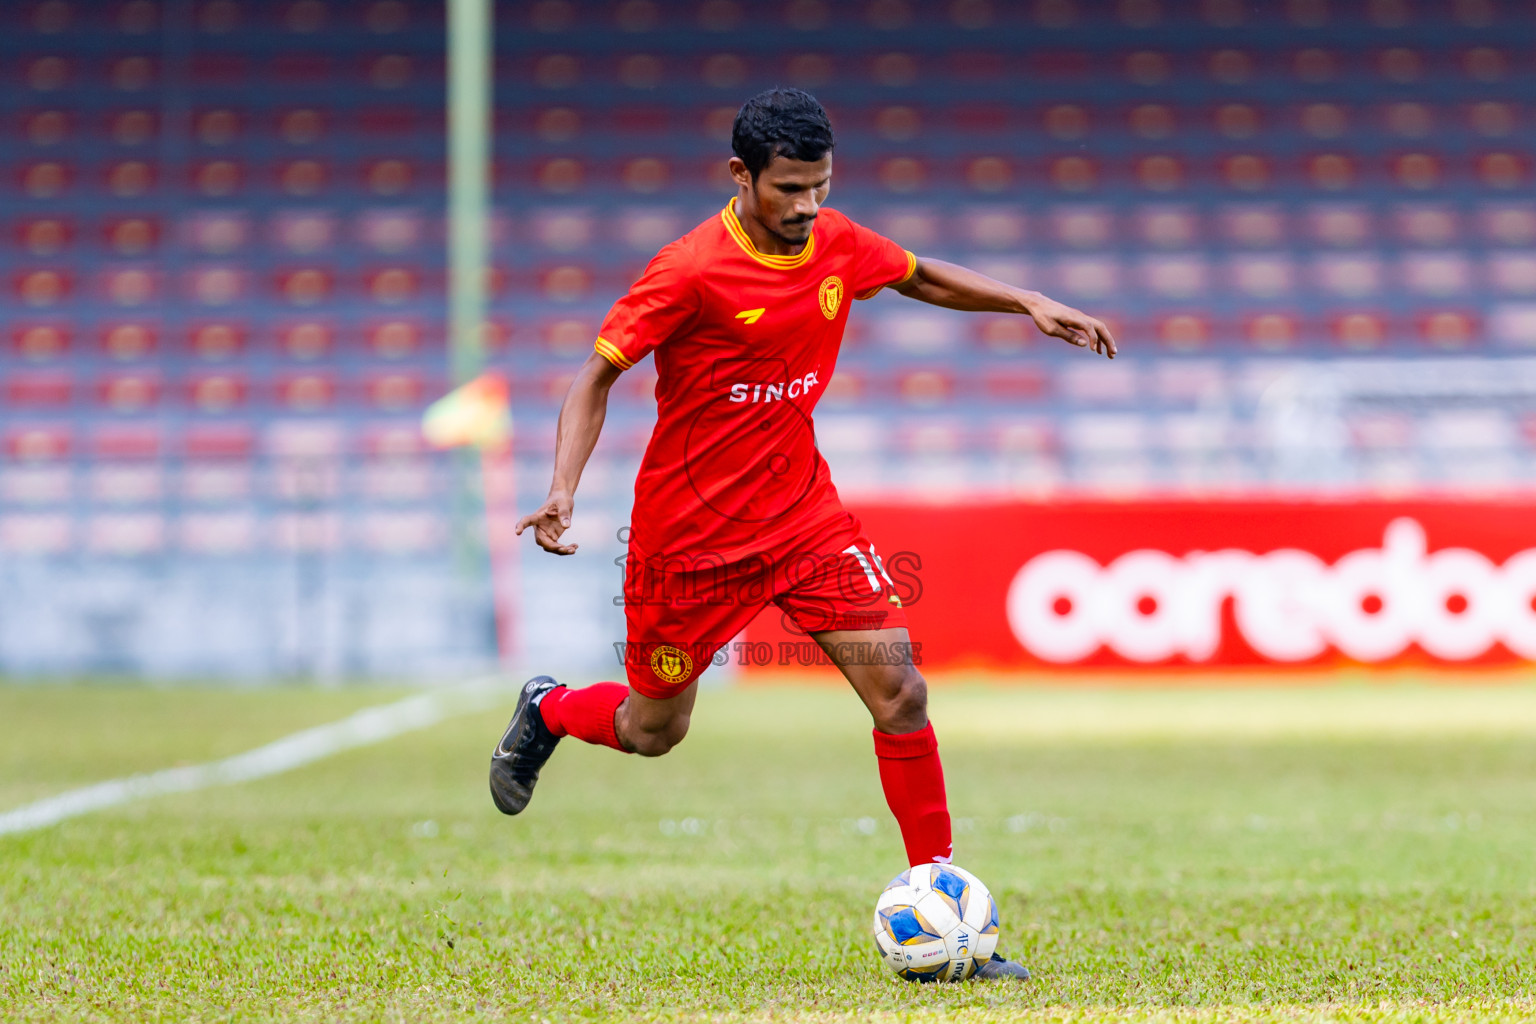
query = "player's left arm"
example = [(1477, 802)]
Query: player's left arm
[(956, 287)]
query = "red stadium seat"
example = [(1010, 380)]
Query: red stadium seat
[(396, 392), (44, 236), (306, 392), (1360, 331), (1074, 173), (904, 174), (1262, 275), (39, 389), (1246, 172), (133, 73), (134, 127), (565, 283), (49, 73), (1161, 172), (224, 68), (303, 178), (1492, 118), (216, 285), (1014, 383), (1400, 65), (1353, 276), (393, 339), (1508, 223), (1427, 224), (1346, 226), (1184, 332), (1450, 330), (217, 340), (130, 286), (392, 440), (1503, 171), (131, 236), (1417, 171), (1513, 273), (301, 69), (125, 342), (217, 392), (1444, 273), (300, 126), (217, 126), (1168, 226), (391, 176), (38, 442), (389, 122), (1083, 227), (391, 231), (305, 286), (129, 391), (1176, 276), (1237, 121), (572, 337), (123, 441), (218, 233), (218, 441), (45, 179), (392, 286), (1331, 172), (40, 343), (306, 340), (48, 127), (1260, 225), (42, 288), (217, 179), (643, 71), (1152, 121), (926, 387), (1272, 332)]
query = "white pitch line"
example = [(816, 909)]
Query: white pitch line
[(371, 725)]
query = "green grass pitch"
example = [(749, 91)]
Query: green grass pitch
[(1359, 852)]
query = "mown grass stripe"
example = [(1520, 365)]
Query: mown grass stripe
[(364, 728)]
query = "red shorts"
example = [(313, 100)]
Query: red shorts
[(680, 613)]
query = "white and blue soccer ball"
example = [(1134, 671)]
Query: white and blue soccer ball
[(935, 922)]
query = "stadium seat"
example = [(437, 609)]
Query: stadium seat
[(128, 391), (39, 389), (40, 343)]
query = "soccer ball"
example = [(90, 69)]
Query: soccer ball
[(935, 922)]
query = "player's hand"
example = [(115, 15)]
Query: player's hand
[(549, 522), (1071, 325)]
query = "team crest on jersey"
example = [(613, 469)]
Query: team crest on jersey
[(670, 664), (831, 296)]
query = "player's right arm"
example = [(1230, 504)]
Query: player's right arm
[(659, 305), (581, 421)]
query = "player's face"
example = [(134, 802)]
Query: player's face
[(788, 195)]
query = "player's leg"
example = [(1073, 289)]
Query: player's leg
[(876, 664), (648, 715), (851, 608)]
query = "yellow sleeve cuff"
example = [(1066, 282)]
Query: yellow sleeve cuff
[(609, 351), (903, 279)]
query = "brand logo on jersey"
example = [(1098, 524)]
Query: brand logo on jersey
[(752, 316), (831, 296), (743, 392), (670, 664)]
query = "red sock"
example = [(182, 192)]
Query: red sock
[(586, 714), (913, 780)]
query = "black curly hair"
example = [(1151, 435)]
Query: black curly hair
[(780, 122)]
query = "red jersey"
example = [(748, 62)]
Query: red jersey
[(745, 344)]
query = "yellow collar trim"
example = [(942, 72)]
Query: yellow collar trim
[(736, 231)]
